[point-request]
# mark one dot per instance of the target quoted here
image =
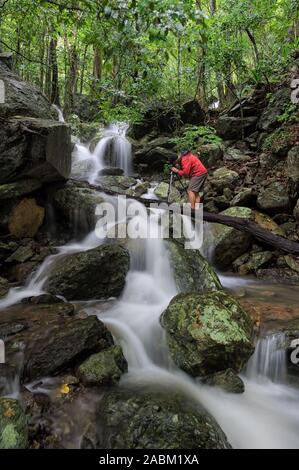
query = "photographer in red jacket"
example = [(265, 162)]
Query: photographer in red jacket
[(193, 168)]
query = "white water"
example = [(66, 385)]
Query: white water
[(265, 416), (59, 112), (113, 150)]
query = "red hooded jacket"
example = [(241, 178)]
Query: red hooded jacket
[(191, 166)]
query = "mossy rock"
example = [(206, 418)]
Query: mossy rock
[(138, 419), (208, 333), (103, 368), (13, 425), (192, 271), (228, 381)]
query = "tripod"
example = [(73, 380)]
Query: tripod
[(171, 184)]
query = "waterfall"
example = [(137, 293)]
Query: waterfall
[(265, 416), (112, 150), (59, 112)]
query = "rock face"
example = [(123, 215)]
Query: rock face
[(13, 425), (191, 271), (274, 199), (296, 211), (99, 273), (280, 99), (103, 368), (26, 218), (19, 188), (154, 157), (44, 339), (207, 333), (156, 420), (161, 192)]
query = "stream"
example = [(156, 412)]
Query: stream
[(267, 414)]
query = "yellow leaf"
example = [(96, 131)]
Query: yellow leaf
[(64, 389)]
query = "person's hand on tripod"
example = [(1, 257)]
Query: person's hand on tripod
[(174, 170)]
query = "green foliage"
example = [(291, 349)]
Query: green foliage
[(194, 135), (289, 115), (120, 113), (277, 140)]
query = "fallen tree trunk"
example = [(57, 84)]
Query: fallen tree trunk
[(243, 225)]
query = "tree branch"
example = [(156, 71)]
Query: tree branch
[(22, 55)]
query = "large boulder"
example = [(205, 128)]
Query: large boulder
[(274, 199), (22, 98), (77, 202), (26, 218), (192, 271), (293, 172), (224, 178), (19, 188), (154, 157), (99, 273), (210, 154), (208, 333), (103, 368), (230, 128), (13, 425), (130, 419), (35, 148), (49, 338), (227, 243), (162, 190)]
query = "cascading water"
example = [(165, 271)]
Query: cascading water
[(59, 112), (265, 416), (113, 150)]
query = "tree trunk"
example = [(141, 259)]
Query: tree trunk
[(55, 97), (97, 64)]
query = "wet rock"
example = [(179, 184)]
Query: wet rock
[(4, 286), (227, 244), (161, 192), (119, 184), (26, 218), (141, 189), (155, 420), (211, 154), (228, 381), (256, 261), (103, 368), (44, 339), (293, 172), (224, 177), (111, 172), (42, 299), (192, 271), (208, 333), (13, 425), (77, 203), (230, 128), (155, 158), (94, 274), (243, 198), (22, 254), (20, 188), (274, 199), (279, 275)]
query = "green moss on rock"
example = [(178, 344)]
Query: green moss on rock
[(208, 333), (13, 425)]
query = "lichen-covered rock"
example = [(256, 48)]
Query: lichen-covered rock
[(99, 273), (119, 184), (274, 199), (4, 286), (103, 368), (257, 260), (224, 177), (296, 211), (279, 275), (228, 381), (210, 154), (243, 198), (192, 271), (13, 425), (227, 243), (136, 419), (26, 218), (207, 333), (276, 107)]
